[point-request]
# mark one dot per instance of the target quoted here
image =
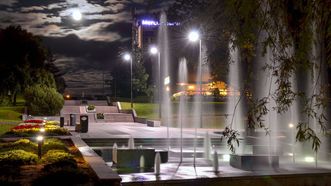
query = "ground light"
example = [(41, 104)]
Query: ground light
[(42, 130), (40, 140), (128, 57)]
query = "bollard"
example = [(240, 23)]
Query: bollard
[(83, 123), (61, 121)]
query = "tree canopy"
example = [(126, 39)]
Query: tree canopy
[(24, 61)]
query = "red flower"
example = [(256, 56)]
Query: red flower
[(33, 121), (26, 127)]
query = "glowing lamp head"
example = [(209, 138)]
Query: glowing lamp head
[(68, 96), (40, 138), (76, 15), (290, 125), (153, 50), (127, 57), (42, 129), (193, 36)]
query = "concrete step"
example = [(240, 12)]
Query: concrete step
[(118, 117), (106, 109), (70, 110), (97, 102), (72, 102)]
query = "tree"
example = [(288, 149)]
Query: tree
[(23, 61), (140, 77), (43, 100)]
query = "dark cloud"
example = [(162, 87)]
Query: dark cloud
[(87, 47)]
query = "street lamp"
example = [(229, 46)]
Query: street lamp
[(127, 57), (154, 51), (193, 37)]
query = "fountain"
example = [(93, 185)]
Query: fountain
[(207, 146), (142, 162), (234, 108), (215, 162), (157, 164), (114, 153), (131, 143), (263, 151), (163, 45), (182, 76)]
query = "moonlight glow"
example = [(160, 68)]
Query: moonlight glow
[(76, 15)]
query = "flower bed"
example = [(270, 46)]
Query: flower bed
[(20, 165), (28, 129), (33, 121)]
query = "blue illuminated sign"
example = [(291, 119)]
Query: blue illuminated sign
[(156, 23)]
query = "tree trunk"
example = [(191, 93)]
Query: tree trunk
[(14, 98)]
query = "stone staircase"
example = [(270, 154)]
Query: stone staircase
[(118, 117), (111, 113)]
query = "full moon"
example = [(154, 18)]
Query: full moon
[(76, 15)]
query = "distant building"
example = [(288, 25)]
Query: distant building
[(208, 89)]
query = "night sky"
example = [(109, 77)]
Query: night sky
[(83, 49)]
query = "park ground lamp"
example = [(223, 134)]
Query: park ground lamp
[(128, 57), (40, 140), (154, 51)]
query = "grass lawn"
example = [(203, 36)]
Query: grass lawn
[(213, 113), (10, 116), (145, 110), (12, 113), (5, 128)]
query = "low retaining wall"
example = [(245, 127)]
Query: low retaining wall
[(104, 173)]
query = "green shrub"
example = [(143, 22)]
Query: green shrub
[(53, 156), (60, 164), (57, 131), (100, 116), (21, 144), (53, 144), (42, 100), (90, 107), (17, 157), (52, 123)]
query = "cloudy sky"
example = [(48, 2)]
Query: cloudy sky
[(83, 49)]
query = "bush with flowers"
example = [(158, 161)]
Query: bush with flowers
[(32, 127)]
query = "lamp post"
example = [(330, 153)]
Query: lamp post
[(127, 57), (40, 140), (193, 37), (154, 51)]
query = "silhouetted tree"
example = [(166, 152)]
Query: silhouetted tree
[(23, 62)]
